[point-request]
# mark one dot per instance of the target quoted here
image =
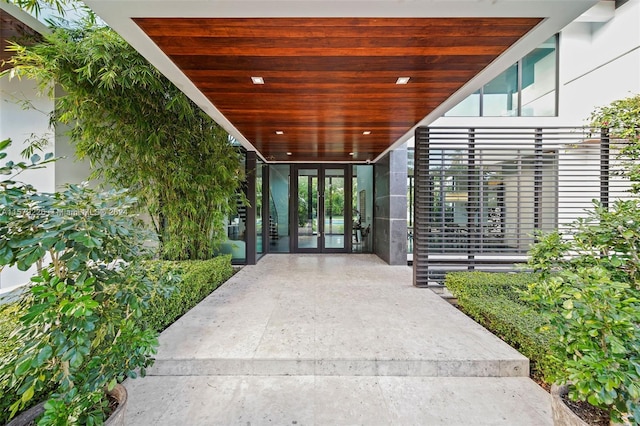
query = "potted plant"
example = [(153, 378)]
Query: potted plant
[(590, 287), (589, 293), (79, 333)]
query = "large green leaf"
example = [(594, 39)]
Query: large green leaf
[(6, 254), (23, 366)]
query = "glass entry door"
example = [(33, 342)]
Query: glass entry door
[(320, 213), (308, 208)]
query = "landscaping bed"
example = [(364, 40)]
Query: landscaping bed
[(493, 300), (195, 280)]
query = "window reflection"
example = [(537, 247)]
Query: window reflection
[(528, 88)]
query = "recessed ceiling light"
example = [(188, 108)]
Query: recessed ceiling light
[(257, 80), (366, 132), (279, 132), (288, 153), (403, 80), (351, 154)]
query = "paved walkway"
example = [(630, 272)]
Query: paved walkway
[(332, 340)]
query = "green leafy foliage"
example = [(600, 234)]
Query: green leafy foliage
[(590, 293), (194, 280), (621, 118), (8, 321), (494, 301), (140, 132), (590, 286), (79, 327), (36, 6)]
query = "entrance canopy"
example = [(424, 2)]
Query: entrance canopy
[(332, 81)]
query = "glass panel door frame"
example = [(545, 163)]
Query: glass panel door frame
[(322, 192)]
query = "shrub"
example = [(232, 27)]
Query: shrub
[(493, 300), (197, 279), (8, 321), (590, 292), (130, 121), (78, 333), (487, 283), (194, 280)]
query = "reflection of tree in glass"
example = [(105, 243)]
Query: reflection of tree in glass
[(307, 200)]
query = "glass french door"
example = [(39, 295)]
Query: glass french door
[(320, 215)]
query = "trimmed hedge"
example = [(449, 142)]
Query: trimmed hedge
[(493, 300), (195, 280), (8, 321)]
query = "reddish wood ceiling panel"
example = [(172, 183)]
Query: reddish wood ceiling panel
[(11, 29), (327, 80)]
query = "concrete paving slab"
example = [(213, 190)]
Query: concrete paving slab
[(332, 339), (345, 310), (322, 400)]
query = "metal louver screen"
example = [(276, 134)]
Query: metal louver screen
[(481, 194)]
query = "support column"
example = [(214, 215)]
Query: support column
[(250, 225), (390, 226), (423, 200)]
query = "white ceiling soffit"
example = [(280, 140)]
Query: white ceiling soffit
[(24, 17), (603, 11), (118, 14)]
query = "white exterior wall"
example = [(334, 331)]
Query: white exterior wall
[(599, 62), (19, 124), (574, 193)]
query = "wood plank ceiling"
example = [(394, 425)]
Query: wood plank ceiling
[(330, 91)]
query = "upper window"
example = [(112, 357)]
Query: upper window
[(528, 88)]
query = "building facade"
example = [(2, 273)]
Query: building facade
[(301, 202), (24, 118)]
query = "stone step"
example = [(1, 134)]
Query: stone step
[(331, 400), (341, 367)]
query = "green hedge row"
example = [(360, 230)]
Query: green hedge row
[(8, 321), (493, 300), (197, 279)]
